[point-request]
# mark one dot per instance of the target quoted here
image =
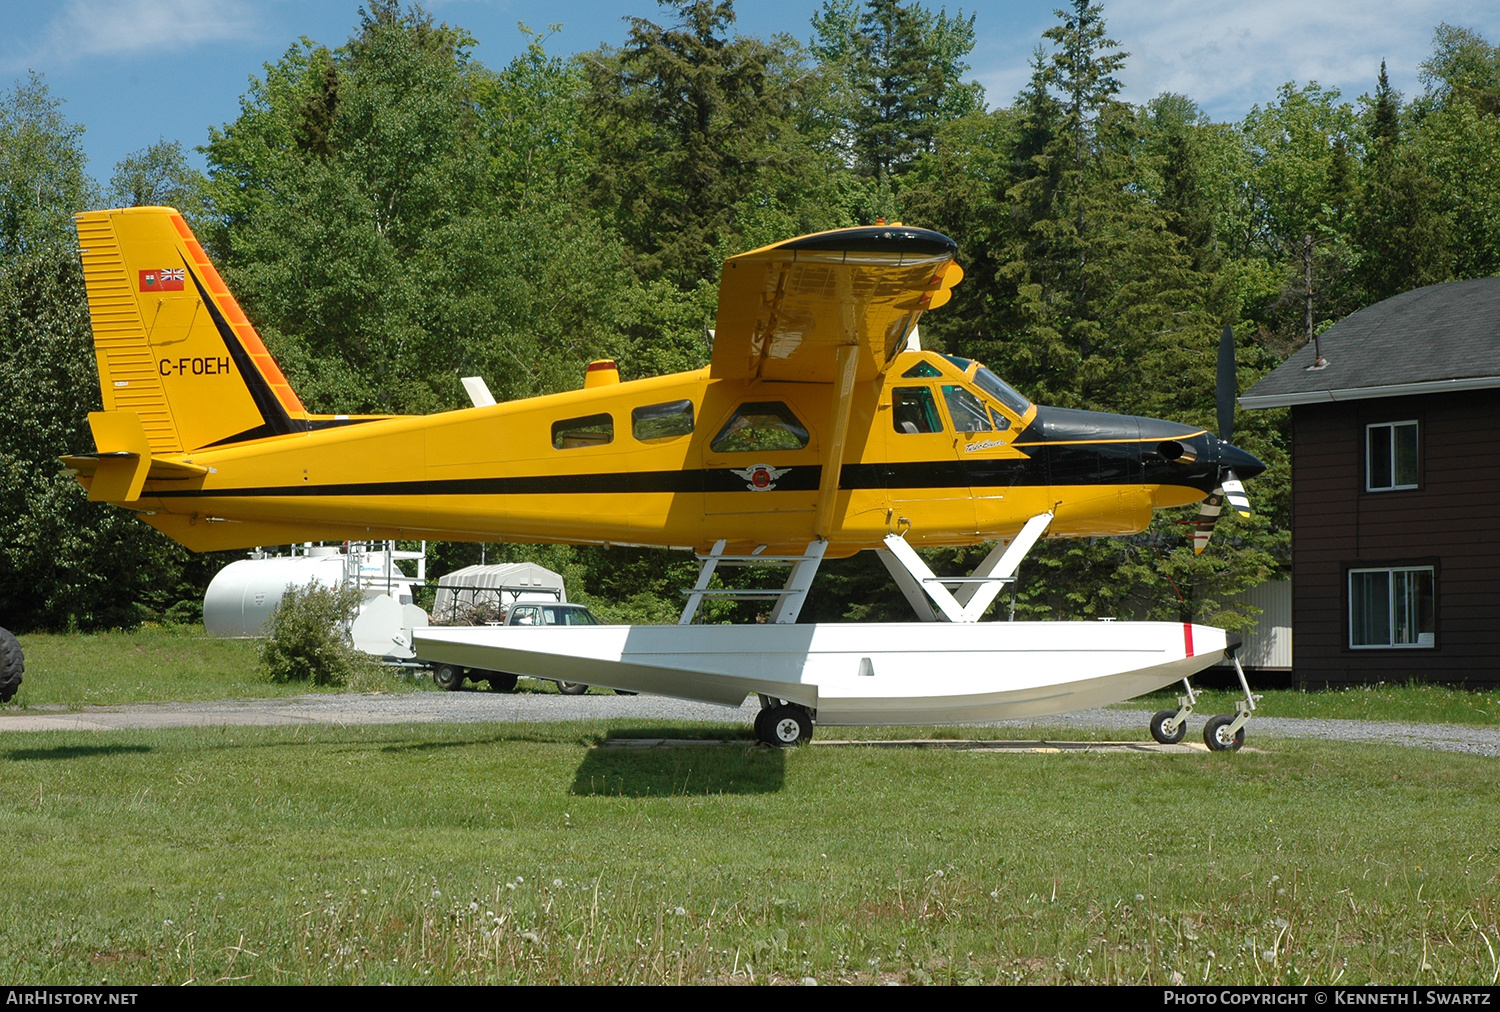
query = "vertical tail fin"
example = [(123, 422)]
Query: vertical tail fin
[(171, 343)]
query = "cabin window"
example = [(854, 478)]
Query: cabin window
[(590, 430), (1392, 608), (761, 426), (662, 421), (1002, 391), (1390, 456), (965, 409), (922, 370), (914, 410)]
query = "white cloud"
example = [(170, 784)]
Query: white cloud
[(95, 28), (1228, 55)]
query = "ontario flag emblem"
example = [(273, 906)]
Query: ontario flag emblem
[(163, 279)]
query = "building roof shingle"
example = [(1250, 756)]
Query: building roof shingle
[(1442, 337)]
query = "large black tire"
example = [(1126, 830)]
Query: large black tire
[(784, 726), (448, 676), (12, 663), (1216, 734), (1158, 719), (572, 688), (501, 681)]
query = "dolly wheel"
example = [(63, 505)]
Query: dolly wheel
[(784, 726), (1217, 737), (1159, 727), (448, 676)]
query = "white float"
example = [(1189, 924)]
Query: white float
[(848, 673)]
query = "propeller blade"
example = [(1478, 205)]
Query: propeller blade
[(1234, 491), (1224, 385), (1203, 523)]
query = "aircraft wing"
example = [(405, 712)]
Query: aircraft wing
[(785, 310)]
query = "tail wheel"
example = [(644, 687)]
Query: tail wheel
[(448, 676), (1217, 737), (1159, 727), (784, 726)]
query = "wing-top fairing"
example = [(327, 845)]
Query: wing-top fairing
[(786, 309)]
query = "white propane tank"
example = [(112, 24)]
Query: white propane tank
[(243, 594)]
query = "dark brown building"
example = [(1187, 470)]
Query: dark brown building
[(1396, 490)]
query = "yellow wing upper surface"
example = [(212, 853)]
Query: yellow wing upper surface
[(785, 309)]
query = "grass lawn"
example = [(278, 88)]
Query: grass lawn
[(1430, 704), (158, 664), (502, 853), (180, 663)]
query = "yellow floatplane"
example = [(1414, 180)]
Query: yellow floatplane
[(820, 428)]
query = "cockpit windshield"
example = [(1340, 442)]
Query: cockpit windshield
[(1001, 391)]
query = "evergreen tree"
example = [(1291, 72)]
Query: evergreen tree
[(1404, 239), (690, 126)]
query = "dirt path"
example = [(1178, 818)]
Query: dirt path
[(652, 711)]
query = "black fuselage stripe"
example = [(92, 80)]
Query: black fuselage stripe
[(276, 421), (990, 474)]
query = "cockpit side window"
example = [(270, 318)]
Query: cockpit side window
[(759, 426), (662, 421), (590, 430), (914, 410), (967, 411)]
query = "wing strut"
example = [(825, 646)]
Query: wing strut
[(915, 579), (843, 400), (788, 599)]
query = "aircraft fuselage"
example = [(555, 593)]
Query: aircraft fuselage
[(679, 460)]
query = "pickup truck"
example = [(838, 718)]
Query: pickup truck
[(451, 676)]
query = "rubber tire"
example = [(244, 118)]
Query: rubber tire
[(784, 726), (625, 692), (1159, 718), (448, 677), (1217, 742), (501, 681), (12, 663), (762, 734), (572, 688)]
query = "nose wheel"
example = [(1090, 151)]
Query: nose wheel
[(782, 724), (1223, 733)]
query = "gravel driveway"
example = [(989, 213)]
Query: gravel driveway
[(486, 707)]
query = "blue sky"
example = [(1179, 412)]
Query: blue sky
[(135, 71)]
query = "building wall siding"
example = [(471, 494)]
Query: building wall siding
[(1451, 521)]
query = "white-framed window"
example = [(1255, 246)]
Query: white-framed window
[(1390, 456), (1392, 608)]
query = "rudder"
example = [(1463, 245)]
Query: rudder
[(171, 343)]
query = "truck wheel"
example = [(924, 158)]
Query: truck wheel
[(12, 663), (448, 676)]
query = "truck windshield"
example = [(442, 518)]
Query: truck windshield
[(553, 615)]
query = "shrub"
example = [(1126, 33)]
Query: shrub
[(307, 637)]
